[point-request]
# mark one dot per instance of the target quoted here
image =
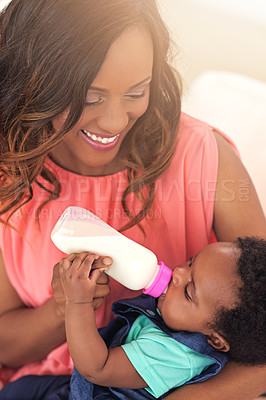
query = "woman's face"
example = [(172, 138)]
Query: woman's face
[(118, 96)]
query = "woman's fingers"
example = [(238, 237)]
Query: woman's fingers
[(58, 291), (96, 274), (101, 292), (103, 279), (102, 262), (97, 302)]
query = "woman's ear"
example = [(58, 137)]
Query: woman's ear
[(218, 342)]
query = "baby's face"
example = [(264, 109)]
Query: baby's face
[(199, 286)]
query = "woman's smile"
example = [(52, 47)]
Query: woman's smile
[(100, 142)]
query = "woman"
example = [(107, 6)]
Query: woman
[(90, 116)]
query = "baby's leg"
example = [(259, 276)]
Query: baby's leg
[(35, 387)]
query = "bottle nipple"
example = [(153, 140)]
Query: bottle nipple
[(161, 281)]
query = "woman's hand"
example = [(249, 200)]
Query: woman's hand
[(58, 292), (101, 290)]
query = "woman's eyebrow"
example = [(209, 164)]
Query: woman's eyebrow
[(141, 82), (98, 89)]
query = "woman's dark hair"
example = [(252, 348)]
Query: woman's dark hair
[(244, 326), (50, 52)]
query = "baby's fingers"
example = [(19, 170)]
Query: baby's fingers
[(67, 262), (78, 265), (83, 267)]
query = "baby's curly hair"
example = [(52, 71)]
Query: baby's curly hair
[(244, 326)]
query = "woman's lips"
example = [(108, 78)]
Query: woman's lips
[(100, 142)]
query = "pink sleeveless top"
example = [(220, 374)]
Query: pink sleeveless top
[(178, 226)]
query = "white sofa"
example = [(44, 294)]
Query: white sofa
[(222, 59), (218, 35), (237, 105)]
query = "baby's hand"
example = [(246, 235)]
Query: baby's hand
[(79, 281)]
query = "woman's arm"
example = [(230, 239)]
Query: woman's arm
[(234, 382), (26, 334), (30, 334), (237, 212)]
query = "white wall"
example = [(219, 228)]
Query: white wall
[(3, 3), (218, 34), (227, 36)]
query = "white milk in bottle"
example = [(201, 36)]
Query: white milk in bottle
[(133, 266)]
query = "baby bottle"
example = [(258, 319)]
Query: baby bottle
[(133, 266)]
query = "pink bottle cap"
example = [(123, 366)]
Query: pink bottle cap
[(160, 282)]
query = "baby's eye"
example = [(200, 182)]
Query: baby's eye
[(190, 261), (186, 292)]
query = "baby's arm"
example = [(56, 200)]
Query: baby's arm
[(93, 360)]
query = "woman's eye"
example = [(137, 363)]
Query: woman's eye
[(133, 96), (93, 100)]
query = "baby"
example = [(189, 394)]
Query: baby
[(214, 305), (214, 308)]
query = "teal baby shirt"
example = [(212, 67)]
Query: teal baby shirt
[(160, 360)]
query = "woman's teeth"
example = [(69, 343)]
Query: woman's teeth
[(100, 139)]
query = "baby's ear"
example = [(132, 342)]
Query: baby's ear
[(218, 342)]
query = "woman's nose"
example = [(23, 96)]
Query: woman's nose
[(114, 118), (181, 274)]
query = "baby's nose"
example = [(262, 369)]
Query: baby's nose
[(181, 274)]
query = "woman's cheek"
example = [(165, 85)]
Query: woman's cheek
[(60, 119)]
